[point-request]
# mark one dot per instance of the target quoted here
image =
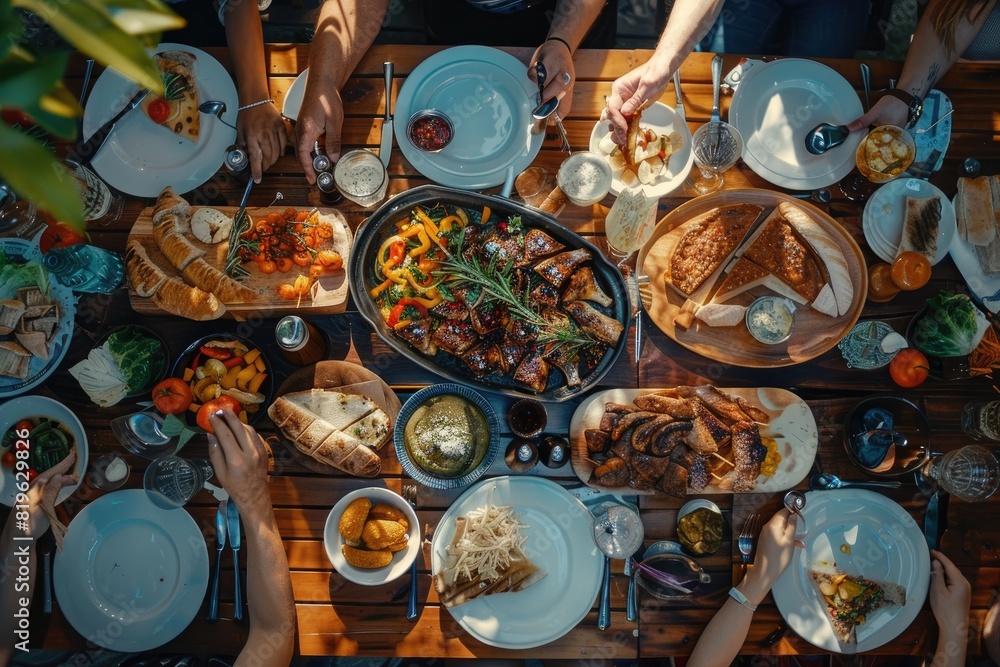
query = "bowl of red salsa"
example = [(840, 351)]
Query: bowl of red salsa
[(430, 130)]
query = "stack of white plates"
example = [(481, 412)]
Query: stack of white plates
[(777, 105), (885, 216)]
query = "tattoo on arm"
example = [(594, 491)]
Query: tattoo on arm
[(931, 79)]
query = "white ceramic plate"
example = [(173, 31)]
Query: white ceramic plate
[(488, 97), (776, 106), (401, 560), (885, 215), (140, 157), (27, 407), (293, 96), (984, 285), (885, 545), (131, 576), (39, 369), (560, 540), (663, 120)]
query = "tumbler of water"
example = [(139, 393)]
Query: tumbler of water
[(171, 481), (971, 473), (717, 146)]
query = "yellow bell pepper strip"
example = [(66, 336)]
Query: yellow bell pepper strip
[(411, 231), (433, 298), (380, 288), (396, 313), (448, 222), (486, 215), (396, 248), (425, 243), (463, 215)]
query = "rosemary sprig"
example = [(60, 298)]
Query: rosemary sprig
[(496, 283), (174, 86)]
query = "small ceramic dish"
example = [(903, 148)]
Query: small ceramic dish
[(401, 560), (430, 130), (885, 414)]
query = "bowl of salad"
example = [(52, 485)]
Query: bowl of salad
[(53, 431)]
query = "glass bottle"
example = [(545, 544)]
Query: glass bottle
[(84, 268), (301, 343)]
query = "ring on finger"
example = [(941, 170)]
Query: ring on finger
[(566, 78)]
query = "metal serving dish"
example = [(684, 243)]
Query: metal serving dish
[(381, 225)]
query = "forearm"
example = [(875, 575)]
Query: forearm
[(689, 22), (573, 19), (951, 647), (344, 31), (269, 593), (245, 37), (725, 634), (927, 59)]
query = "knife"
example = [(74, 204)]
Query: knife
[(220, 544), (385, 148), (233, 514), (932, 522), (677, 91), (86, 151)]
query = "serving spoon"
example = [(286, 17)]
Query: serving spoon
[(825, 136), (215, 108)]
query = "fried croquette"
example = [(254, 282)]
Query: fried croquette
[(388, 512), (398, 546), (352, 521), (380, 533), (369, 560)]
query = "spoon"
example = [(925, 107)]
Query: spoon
[(795, 502), (866, 82), (828, 481), (545, 108), (898, 439), (925, 129), (215, 108), (825, 136), (146, 427), (618, 533)]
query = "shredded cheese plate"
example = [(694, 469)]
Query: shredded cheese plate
[(508, 515)]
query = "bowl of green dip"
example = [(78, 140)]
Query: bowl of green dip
[(446, 436)]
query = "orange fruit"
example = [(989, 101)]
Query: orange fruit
[(911, 270), (881, 288)]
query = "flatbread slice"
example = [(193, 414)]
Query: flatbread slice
[(920, 229), (372, 429), (830, 255), (181, 94), (851, 600), (340, 410)]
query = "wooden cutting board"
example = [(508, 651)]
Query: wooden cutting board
[(331, 296)]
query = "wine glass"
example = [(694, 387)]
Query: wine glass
[(717, 146), (971, 473)]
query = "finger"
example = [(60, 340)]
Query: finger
[(226, 437), (951, 571), (256, 156), (60, 468), (304, 151), (859, 123), (634, 102), (239, 429), (218, 458), (333, 142)]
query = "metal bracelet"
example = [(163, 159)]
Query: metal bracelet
[(255, 104)]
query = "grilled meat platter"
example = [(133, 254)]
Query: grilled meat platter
[(489, 292), (693, 439)]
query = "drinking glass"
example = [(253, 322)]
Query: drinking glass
[(15, 213), (981, 419), (630, 222), (171, 481), (717, 146), (971, 473), (361, 177), (100, 205)]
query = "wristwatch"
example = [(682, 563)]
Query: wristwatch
[(915, 104)]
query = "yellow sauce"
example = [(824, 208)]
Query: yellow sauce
[(773, 458)]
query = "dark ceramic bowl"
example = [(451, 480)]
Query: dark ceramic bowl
[(907, 420)]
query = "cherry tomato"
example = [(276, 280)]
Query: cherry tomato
[(330, 259), (909, 368), (24, 425), (32, 474), (59, 235), (8, 459), (172, 396), (213, 406), (302, 258), (158, 110), (285, 264), (268, 266)]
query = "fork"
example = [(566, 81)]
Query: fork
[(747, 536), (410, 496)]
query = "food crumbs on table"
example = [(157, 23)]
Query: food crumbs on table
[(845, 549)]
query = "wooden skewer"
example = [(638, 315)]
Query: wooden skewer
[(723, 459)]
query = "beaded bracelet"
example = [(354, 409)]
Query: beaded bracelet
[(560, 39), (255, 104)]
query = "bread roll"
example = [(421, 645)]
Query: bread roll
[(177, 298), (169, 202), (204, 276)]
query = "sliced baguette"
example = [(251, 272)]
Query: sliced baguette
[(204, 276), (178, 298), (144, 276), (169, 202), (975, 210)]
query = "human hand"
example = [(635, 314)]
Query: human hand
[(239, 458), (775, 548), (632, 91), (950, 593), (262, 130), (560, 74), (44, 491), (321, 113), (887, 111)]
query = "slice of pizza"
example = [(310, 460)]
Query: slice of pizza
[(178, 108), (850, 600)]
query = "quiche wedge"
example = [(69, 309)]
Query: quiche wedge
[(851, 600)]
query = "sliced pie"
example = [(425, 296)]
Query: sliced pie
[(850, 600), (178, 108)]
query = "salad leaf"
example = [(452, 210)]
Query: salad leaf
[(15, 274), (952, 326), (139, 357)]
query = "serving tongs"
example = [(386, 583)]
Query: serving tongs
[(234, 266)]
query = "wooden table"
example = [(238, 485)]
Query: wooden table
[(338, 618)]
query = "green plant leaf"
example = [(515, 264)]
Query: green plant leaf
[(11, 25), (23, 83), (140, 17), (92, 31), (38, 176)]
